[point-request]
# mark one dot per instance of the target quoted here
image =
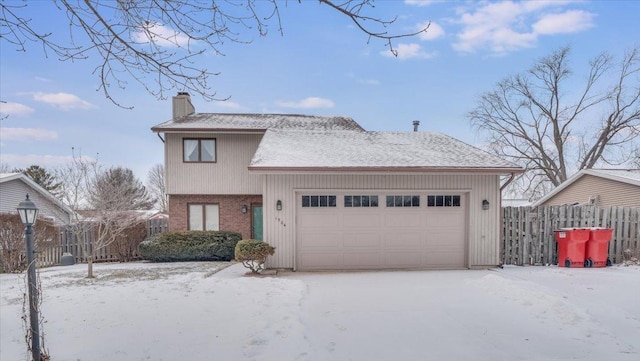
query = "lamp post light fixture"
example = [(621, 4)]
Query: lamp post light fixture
[(28, 215)]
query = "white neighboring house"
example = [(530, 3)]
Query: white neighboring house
[(15, 186)]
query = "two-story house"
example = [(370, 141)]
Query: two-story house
[(330, 195)]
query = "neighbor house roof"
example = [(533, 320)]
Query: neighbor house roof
[(7, 177), (629, 176), (339, 150), (253, 122)]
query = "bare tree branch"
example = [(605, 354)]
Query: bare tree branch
[(156, 43), (545, 122), (156, 186)]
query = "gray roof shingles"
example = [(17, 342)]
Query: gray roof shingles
[(282, 149), (310, 141), (258, 122)]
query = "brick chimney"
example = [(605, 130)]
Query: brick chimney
[(182, 105)]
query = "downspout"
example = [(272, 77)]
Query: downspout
[(158, 134), (502, 187)]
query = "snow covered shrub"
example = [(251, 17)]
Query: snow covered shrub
[(189, 246), (253, 253)]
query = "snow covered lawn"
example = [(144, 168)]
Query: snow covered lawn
[(186, 311)]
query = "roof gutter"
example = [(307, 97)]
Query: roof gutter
[(209, 130), (419, 169), (511, 178)]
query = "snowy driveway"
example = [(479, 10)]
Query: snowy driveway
[(183, 311), (517, 313)]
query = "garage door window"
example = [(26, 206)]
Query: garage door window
[(443, 201), (318, 201), (403, 201), (360, 201)]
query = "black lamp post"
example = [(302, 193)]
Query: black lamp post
[(28, 214)]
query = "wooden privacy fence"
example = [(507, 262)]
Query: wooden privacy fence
[(157, 225), (51, 254), (528, 236)]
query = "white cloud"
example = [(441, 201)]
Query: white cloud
[(26, 134), (368, 81), (309, 103), (508, 26), (26, 160), (363, 80), (228, 104), (409, 51), (420, 2), (433, 32), (160, 35), (64, 101), (11, 108), (565, 23)]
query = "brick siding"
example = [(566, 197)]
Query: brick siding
[(231, 217)]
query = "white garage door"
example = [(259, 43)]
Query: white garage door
[(380, 229)]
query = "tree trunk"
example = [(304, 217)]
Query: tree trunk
[(90, 267)]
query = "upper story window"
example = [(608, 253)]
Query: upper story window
[(199, 150), (403, 201)]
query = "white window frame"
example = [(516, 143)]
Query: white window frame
[(203, 217)]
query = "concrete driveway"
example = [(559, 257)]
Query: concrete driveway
[(532, 313)]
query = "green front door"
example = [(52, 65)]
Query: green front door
[(256, 219)]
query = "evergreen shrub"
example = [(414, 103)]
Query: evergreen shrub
[(189, 246)]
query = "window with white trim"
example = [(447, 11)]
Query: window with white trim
[(403, 201), (318, 201), (443, 201), (204, 217), (361, 201)]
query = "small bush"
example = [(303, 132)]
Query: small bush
[(13, 256), (126, 244), (253, 253), (189, 246)]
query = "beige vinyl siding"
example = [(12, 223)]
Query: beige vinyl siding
[(13, 192), (610, 192), (483, 234), (228, 175)]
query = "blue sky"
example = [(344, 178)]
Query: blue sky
[(321, 65)]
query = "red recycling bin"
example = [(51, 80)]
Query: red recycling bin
[(572, 246), (597, 249)]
